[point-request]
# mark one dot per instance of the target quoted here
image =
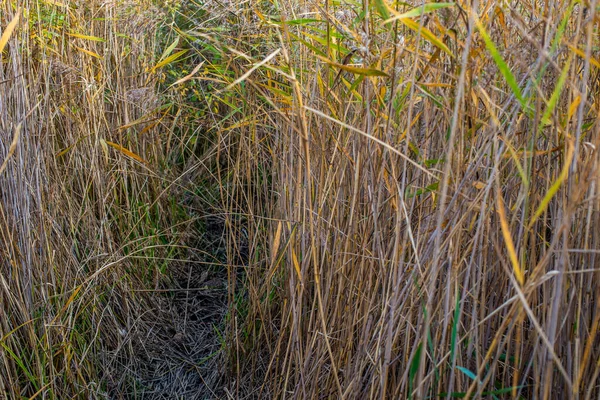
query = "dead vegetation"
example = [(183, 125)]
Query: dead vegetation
[(283, 199), (428, 225), (93, 226)]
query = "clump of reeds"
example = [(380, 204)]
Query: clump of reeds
[(406, 193), (88, 213), (418, 183)]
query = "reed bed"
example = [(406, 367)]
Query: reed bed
[(419, 186), (399, 198), (87, 217)]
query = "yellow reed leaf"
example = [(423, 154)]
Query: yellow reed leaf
[(125, 151), (9, 30), (510, 246)]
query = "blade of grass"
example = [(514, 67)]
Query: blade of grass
[(169, 49), (501, 64), (383, 9), (188, 76), (564, 174), (555, 95), (427, 34), (125, 151), (12, 148), (418, 11), (10, 28), (89, 53), (87, 37), (251, 70), (354, 70), (169, 60), (414, 368), (581, 54), (510, 246)]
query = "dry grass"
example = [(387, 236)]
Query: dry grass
[(405, 209), (420, 197), (91, 214)]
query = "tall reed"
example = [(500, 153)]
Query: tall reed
[(419, 187), (83, 213)]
